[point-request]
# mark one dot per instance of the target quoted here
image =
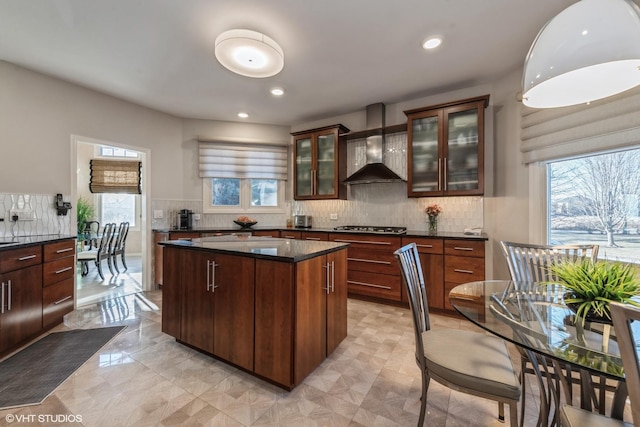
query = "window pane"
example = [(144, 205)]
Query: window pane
[(264, 192), (226, 192), (596, 199), (118, 208)]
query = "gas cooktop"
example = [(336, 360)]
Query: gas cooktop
[(372, 229)]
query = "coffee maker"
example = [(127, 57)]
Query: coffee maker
[(185, 219)]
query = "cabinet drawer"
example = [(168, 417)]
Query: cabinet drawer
[(314, 235), (53, 251), (290, 235), (58, 270), (375, 285), (183, 235), (20, 258), (425, 246), (271, 233), (57, 300), (464, 248), (367, 241), (460, 269), (372, 260)]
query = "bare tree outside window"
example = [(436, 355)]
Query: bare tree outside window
[(596, 199)]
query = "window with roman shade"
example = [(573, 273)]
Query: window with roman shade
[(242, 160), (115, 176)]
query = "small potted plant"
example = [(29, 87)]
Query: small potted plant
[(432, 212), (591, 286)]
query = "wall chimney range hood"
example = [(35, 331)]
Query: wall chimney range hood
[(374, 170)]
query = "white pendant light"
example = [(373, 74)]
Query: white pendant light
[(249, 53), (589, 51)]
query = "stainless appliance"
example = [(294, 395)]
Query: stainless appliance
[(185, 219), (374, 170), (302, 221), (372, 229)]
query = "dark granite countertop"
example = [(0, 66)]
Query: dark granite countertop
[(284, 250), (409, 233), (8, 243)]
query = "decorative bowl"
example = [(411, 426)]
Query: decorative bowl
[(244, 224)]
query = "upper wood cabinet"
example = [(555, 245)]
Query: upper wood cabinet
[(320, 164), (446, 149)]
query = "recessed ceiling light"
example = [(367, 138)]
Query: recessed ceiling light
[(277, 91), (432, 42), (243, 115), (249, 53)]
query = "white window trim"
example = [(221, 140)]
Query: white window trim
[(245, 199)]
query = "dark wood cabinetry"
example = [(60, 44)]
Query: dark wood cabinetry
[(431, 259), (320, 164), (57, 281), (446, 149)]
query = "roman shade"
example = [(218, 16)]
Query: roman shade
[(115, 176), (242, 160), (609, 124)]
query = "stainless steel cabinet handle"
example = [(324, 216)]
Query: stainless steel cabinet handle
[(439, 174), (371, 261), (313, 181), (24, 258), (59, 251), (333, 276), (326, 277), (211, 267), (444, 175), (461, 248), (368, 242), (9, 295), (312, 238), (457, 270), (371, 285), (63, 270), (288, 237), (424, 246), (208, 275), (2, 307), (62, 300)]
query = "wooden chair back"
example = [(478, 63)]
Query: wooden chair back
[(623, 316)]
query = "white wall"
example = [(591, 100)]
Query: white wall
[(38, 115)]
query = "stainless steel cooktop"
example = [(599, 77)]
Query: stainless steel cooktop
[(372, 229)]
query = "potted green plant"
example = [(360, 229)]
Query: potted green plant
[(85, 212), (591, 286)]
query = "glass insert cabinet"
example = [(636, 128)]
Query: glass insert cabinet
[(320, 163), (446, 149)]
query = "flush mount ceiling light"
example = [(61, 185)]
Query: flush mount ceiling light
[(589, 51), (243, 115), (277, 91), (249, 53), (432, 43)]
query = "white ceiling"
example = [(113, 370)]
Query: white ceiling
[(340, 55)]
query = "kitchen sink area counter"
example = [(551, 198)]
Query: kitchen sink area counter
[(275, 308)]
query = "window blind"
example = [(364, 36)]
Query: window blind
[(242, 160), (608, 124), (115, 176)]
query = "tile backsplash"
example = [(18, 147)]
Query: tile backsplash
[(368, 204), (39, 208)]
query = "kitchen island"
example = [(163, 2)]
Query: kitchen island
[(273, 307)]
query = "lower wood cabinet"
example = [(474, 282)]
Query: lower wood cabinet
[(58, 272), (276, 319)]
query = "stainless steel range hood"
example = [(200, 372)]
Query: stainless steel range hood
[(374, 171)]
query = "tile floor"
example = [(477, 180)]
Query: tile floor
[(92, 289), (144, 378)]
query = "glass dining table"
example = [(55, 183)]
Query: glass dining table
[(565, 354)]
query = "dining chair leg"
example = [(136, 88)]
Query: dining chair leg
[(523, 373), (513, 414), (122, 257), (423, 398), (114, 258), (110, 266), (99, 267)]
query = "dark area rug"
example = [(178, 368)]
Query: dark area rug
[(29, 376)]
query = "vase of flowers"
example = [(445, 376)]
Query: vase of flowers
[(432, 212)]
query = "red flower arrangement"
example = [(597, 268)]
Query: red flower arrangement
[(433, 210)]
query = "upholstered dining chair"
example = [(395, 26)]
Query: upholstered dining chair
[(530, 263), (119, 245), (102, 252), (622, 315), (466, 361)]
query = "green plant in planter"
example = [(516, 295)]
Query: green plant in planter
[(591, 286), (85, 212)]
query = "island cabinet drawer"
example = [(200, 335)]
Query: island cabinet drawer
[(58, 270), (389, 243), (468, 248), (314, 235), (20, 258), (425, 246), (375, 285), (266, 233), (459, 269), (57, 300), (183, 235), (54, 251), (372, 260)]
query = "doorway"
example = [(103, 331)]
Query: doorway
[(115, 283)]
